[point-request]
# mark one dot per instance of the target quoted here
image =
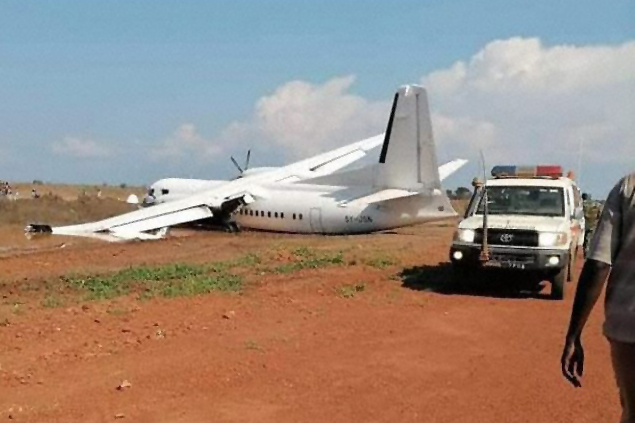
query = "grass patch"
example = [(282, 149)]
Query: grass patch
[(172, 280), (349, 291), (30, 286), (380, 262), (17, 309), (118, 311), (250, 344), (52, 301), (304, 258)]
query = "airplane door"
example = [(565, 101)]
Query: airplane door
[(315, 216)]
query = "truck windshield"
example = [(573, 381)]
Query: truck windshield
[(534, 201)]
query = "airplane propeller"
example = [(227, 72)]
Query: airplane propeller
[(246, 166)]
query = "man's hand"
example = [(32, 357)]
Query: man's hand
[(572, 361)]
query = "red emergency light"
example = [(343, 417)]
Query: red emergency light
[(545, 171)]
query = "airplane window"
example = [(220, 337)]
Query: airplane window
[(276, 214), (268, 214), (281, 215), (300, 216), (165, 191), (293, 216), (251, 212), (262, 213)]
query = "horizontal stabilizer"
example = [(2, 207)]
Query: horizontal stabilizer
[(380, 196)]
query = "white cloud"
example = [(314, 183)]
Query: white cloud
[(523, 102), (305, 118), (82, 148), (297, 120), (517, 99), (186, 142)]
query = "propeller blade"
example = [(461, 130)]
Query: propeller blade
[(236, 164), (247, 161)]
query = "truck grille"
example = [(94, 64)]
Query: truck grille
[(508, 237)]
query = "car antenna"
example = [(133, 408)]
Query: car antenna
[(484, 257)]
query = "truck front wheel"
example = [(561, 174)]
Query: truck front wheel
[(557, 283), (573, 256)]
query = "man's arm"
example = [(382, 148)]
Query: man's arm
[(590, 284), (604, 249)]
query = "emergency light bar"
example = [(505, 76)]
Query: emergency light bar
[(546, 171)]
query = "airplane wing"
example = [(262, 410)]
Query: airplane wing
[(450, 167), (217, 201)]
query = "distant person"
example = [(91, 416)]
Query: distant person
[(34, 194), (612, 255), (592, 214)]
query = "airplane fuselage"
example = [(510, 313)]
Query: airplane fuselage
[(306, 208), (321, 210)]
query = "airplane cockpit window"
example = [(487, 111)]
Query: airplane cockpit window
[(151, 192), (165, 191)]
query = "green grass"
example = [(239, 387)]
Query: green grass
[(178, 280), (17, 309), (305, 258), (250, 344), (118, 311), (349, 291), (52, 301), (380, 262), (172, 280)]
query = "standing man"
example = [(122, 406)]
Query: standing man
[(612, 255), (592, 213)]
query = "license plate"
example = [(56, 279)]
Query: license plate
[(505, 264)]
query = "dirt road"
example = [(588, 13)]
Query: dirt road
[(405, 345)]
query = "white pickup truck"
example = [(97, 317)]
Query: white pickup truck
[(533, 220)]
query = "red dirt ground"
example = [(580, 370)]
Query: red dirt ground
[(290, 347)]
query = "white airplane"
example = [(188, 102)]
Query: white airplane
[(404, 188)]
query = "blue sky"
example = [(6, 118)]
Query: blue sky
[(89, 90)]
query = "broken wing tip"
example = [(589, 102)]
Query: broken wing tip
[(36, 228)]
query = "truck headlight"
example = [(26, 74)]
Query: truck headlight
[(466, 235), (552, 239)]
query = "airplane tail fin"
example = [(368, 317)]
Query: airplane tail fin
[(408, 157)]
